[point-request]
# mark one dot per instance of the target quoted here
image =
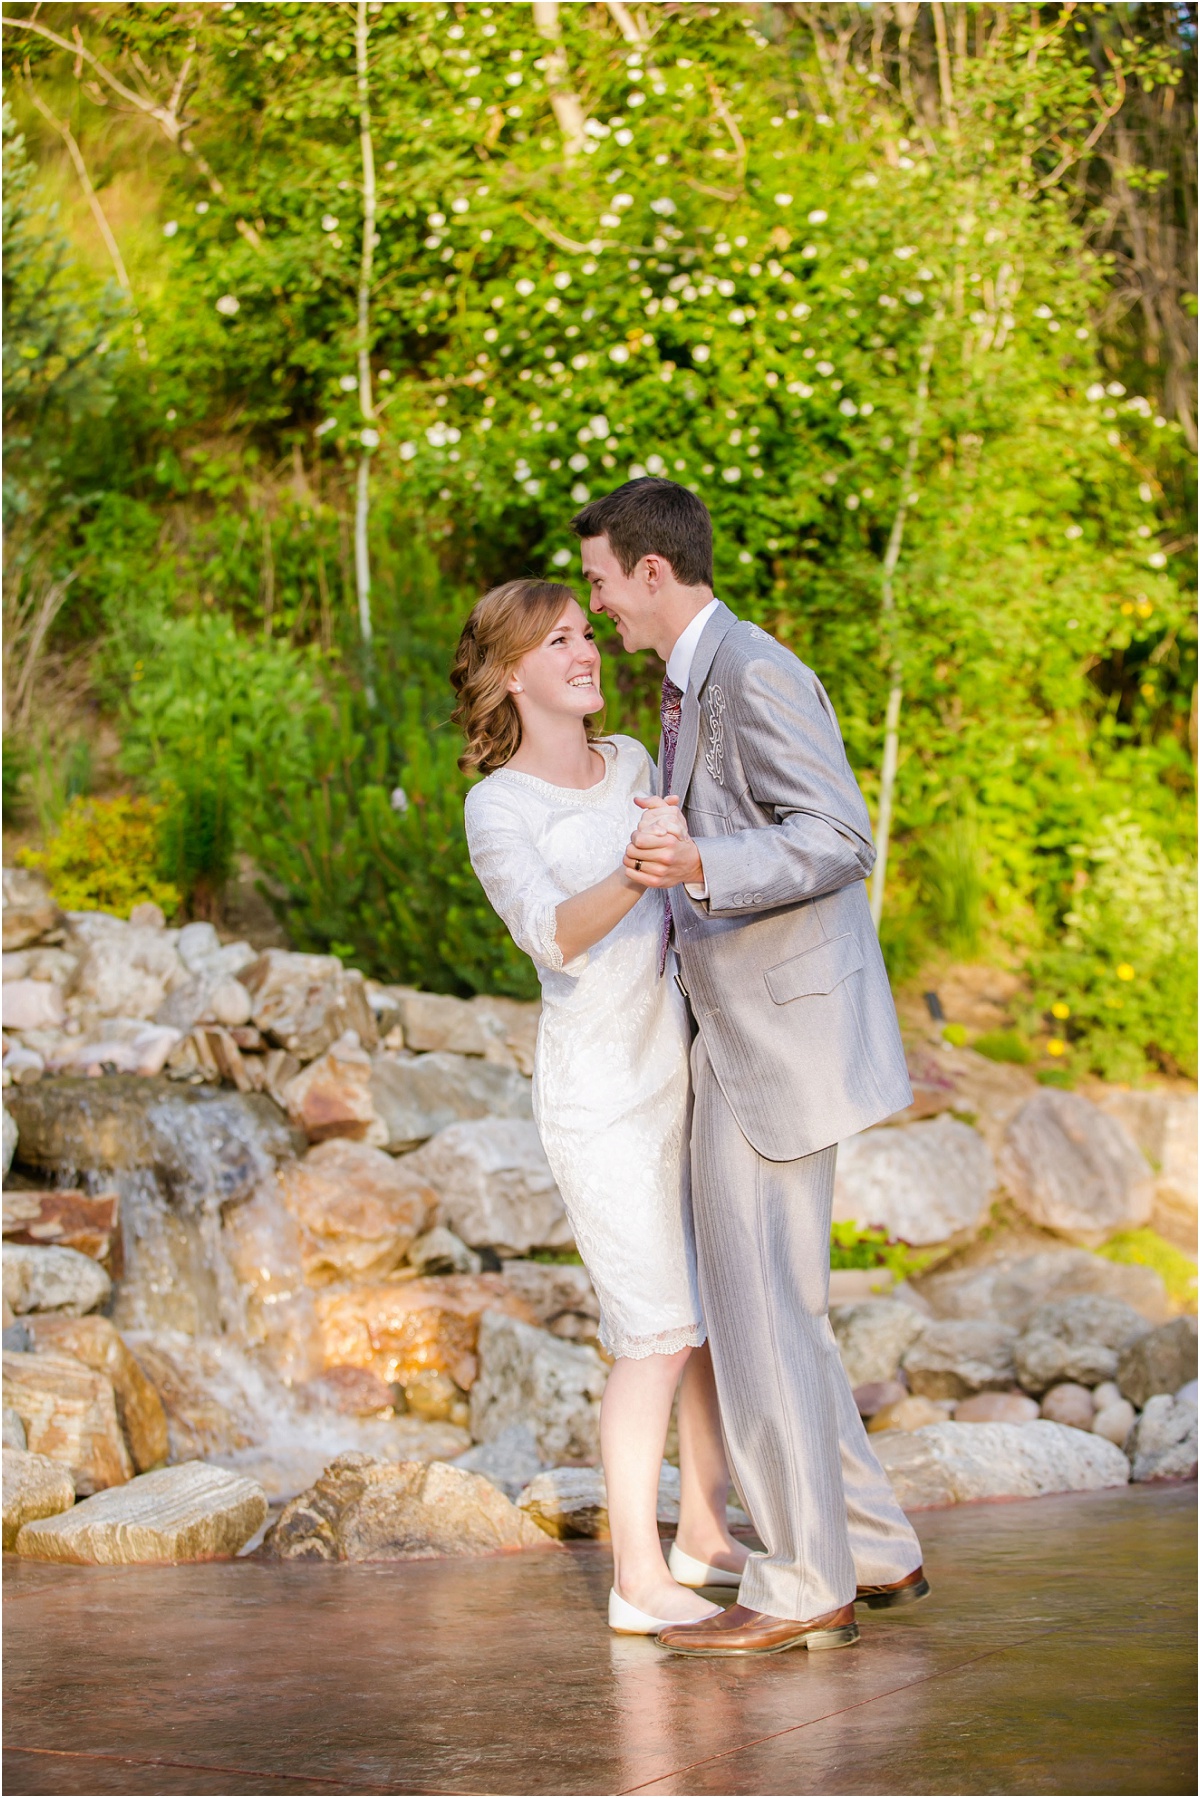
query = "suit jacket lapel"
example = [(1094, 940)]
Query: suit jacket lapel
[(718, 626)]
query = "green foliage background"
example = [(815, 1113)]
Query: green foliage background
[(707, 241)]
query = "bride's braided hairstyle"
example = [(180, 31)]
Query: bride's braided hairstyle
[(503, 627)]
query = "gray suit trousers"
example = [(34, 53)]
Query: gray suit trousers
[(800, 1457)]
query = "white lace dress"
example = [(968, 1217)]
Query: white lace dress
[(610, 1079)]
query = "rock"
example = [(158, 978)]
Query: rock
[(137, 1049), (1073, 1170), (528, 1376), (436, 1398), (1190, 1390), (350, 1391), (1162, 1445), (1114, 1420), (875, 1394), (998, 1407), (1106, 1393), (22, 1067), (560, 1296), (517, 1021), (230, 1004), (29, 910), (127, 972), (494, 1185), (849, 1284), (34, 1486), (945, 1464), (433, 1021), (14, 1431), (95, 1342), (304, 1003), (440, 1251), (1069, 1403), (1160, 1361), (417, 1096), (261, 1242), (872, 1336), (10, 1141), (405, 1328), (202, 952), (188, 1513), (70, 1414), (332, 1096), (52, 1279), (572, 1502), (907, 1413), (362, 1509), (358, 1210), (33, 1005), (953, 1360), (65, 1218), (1011, 1289), (1075, 1339), (1163, 1124), (148, 916), (919, 1182), (510, 1460)]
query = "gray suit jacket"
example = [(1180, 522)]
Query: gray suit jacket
[(781, 962)]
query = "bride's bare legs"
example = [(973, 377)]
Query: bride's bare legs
[(633, 1428), (703, 1470)]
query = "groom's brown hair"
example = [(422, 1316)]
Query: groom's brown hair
[(653, 517)]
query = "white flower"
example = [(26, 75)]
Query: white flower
[(801, 311), (327, 424), (731, 474), (439, 434), (620, 201), (514, 78), (578, 462), (848, 409), (725, 289), (664, 207), (579, 493), (700, 352), (824, 368), (1116, 389), (1146, 492), (532, 488), (328, 222), (202, 207), (636, 472), (619, 353), (460, 205), (636, 99), (1157, 560), (348, 383), (1096, 391), (810, 249), (866, 408), (227, 305), (407, 451), (524, 288), (594, 128), (609, 220), (745, 556), (737, 316), (623, 137), (817, 218), (579, 361), (904, 251), (398, 800), (562, 557), (655, 465), (170, 228), (801, 388), (369, 438), (1083, 333), (852, 502), (436, 219), (562, 279), (783, 199)]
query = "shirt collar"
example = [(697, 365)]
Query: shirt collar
[(679, 662)]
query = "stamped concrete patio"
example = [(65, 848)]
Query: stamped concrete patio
[(1056, 1655)]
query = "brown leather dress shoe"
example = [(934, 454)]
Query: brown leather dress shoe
[(908, 1590), (742, 1631)]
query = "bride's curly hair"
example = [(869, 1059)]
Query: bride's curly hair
[(503, 627)]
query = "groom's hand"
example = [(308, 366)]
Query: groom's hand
[(660, 852)]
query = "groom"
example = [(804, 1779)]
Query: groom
[(796, 1047)]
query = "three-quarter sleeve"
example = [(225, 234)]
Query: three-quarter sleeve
[(515, 878)]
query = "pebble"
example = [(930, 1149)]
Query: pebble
[(873, 1395), (908, 1413), (1071, 1404), (996, 1407), (1115, 1420)]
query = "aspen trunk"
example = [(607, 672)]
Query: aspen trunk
[(366, 403)]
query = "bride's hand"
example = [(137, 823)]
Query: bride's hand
[(661, 818)]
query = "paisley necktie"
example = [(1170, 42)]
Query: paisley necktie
[(672, 701)]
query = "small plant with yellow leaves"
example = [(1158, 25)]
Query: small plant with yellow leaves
[(105, 856)]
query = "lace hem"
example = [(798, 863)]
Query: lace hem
[(548, 953), (667, 1342)]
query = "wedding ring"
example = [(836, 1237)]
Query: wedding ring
[(637, 867)]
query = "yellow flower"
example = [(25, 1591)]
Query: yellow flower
[(1056, 1046), (1059, 1010), (1124, 971)]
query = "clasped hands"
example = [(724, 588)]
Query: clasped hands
[(660, 852)]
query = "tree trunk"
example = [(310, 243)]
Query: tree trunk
[(368, 436)]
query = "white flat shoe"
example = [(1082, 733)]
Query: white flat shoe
[(686, 1571), (627, 1620)]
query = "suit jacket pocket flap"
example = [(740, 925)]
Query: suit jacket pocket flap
[(817, 970)]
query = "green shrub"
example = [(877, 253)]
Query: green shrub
[(853, 1245), (1003, 1045), (1126, 968), (105, 856), (1146, 1248)]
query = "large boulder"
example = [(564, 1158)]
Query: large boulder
[(434, 1021), (126, 970), (953, 1360), (404, 1329), (559, 1294), (33, 1005), (494, 1185), (1074, 1170), (34, 1486), (1011, 1288), (66, 1219), (357, 1208), (416, 1096), (69, 1413), (29, 911), (572, 1502), (96, 1343), (1163, 1124), (189, 1513), (362, 1509), (1162, 1444), (304, 1003), (1075, 1339), (331, 1097), (528, 1376), (52, 1279), (951, 1463), (1163, 1360), (872, 1335), (920, 1182)]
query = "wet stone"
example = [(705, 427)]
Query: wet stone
[(52, 1279), (528, 1376), (947, 1463), (188, 1513), (418, 1095), (96, 1343), (69, 1413), (34, 1486)]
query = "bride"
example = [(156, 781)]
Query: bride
[(547, 830)]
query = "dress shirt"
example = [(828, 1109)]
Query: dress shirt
[(679, 669)]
